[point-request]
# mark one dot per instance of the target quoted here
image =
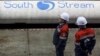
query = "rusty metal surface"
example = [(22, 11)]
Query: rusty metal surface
[(45, 21)]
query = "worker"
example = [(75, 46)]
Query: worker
[(61, 34), (84, 38)]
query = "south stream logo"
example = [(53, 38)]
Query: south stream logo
[(45, 5)]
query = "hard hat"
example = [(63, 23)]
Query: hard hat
[(64, 16), (81, 21)]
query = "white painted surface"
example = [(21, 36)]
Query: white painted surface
[(33, 12)]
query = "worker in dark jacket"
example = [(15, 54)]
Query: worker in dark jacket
[(61, 34), (84, 38)]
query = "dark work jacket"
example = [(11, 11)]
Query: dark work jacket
[(57, 40)]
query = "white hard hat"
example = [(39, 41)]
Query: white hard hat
[(81, 21), (64, 16)]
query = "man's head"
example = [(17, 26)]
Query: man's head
[(64, 17), (81, 22)]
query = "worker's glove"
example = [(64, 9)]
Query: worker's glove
[(90, 53)]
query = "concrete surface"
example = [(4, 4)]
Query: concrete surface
[(36, 42), (13, 43)]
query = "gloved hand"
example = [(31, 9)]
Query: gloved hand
[(90, 52)]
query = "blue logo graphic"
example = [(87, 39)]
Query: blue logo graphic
[(45, 5)]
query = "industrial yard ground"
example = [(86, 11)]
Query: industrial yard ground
[(37, 42)]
